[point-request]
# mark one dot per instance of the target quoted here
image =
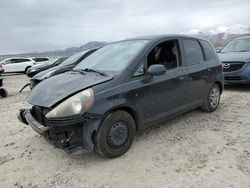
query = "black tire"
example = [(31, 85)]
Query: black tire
[(210, 104), (3, 92), (115, 135), (26, 70)]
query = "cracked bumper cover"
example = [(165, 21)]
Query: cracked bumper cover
[(73, 135), (25, 117)]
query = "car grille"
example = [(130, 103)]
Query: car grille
[(74, 120), (39, 114), (232, 66)]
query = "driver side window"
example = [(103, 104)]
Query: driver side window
[(165, 53)]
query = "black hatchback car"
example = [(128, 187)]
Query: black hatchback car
[(41, 67), (65, 66), (122, 88)]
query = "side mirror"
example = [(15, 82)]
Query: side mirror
[(156, 69)]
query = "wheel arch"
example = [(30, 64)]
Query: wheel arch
[(220, 86), (130, 110)]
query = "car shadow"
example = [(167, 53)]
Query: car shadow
[(11, 74), (152, 131)]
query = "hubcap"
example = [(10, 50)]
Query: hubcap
[(214, 97), (118, 134)]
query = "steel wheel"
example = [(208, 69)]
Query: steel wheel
[(118, 135), (115, 135)]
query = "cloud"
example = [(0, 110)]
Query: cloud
[(35, 25)]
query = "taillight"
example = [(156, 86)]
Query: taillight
[(1, 66)]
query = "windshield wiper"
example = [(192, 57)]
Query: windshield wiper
[(78, 70), (96, 71), (243, 51)]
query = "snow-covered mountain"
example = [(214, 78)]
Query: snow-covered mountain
[(222, 34), (87, 46), (234, 29)]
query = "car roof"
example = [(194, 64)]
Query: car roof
[(18, 58), (162, 37), (39, 57)]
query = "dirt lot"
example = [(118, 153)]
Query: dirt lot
[(196, 149)]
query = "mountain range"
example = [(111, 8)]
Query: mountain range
[(220, 35), (61, 52)]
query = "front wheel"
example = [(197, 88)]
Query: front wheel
[(115, 135), (212, 100)]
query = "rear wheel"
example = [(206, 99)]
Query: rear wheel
[(115, 134), (212, 100)]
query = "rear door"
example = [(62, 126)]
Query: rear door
[(198, 74), (214, 66)]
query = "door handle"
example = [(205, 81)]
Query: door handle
[(181, 77)]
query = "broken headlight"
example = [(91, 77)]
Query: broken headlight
[(78, 104)]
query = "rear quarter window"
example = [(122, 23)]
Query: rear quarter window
[(40, 59), (192, 51), (208, 50), (22, 60)]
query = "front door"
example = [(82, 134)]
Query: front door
[(168, 91)]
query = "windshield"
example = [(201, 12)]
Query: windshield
[(74, 58), (239, 45), (50, 62), (113, 57), (59, 61)]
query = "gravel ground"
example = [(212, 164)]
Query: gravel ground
[(196, 149)]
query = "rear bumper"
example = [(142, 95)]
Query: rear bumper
[(73, 139)]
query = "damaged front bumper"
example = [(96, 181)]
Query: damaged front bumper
[(25, 117), (75, 135)]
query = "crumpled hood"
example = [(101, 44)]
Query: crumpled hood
[(235, 56), (52, 90)]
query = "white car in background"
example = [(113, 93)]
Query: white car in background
[(16, 65), (39, 60), (1, 69)]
